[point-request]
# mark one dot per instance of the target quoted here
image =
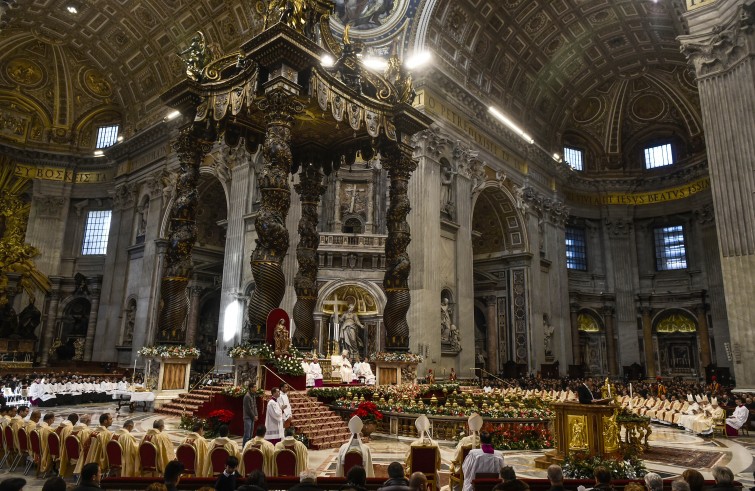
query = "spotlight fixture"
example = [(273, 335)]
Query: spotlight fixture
[(99, 153), (556, 157), (503, 119), (72, 9), (172, 115), (418, 60), (120, 138)]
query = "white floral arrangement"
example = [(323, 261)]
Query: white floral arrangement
[(397, 357), (289, 364), (170, 351)]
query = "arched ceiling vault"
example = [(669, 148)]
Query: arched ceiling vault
[(537, 59), (131, 46)]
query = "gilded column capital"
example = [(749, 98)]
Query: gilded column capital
[(280, 107)]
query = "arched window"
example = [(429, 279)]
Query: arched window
[(352, 226)]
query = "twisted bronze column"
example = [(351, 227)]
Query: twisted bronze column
[(310, 189), (181, 239), (272, 237), (400, 165)]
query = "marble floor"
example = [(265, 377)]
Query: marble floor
[(736, 453)]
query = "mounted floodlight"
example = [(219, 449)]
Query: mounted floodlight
[(72, 9), (375, 63), (556, 157), (503, 119), (99, 153), (327, 61), (419, 59), (172, 115)]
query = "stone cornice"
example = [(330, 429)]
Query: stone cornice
[(157, 133), (686, 171), (68, 161)]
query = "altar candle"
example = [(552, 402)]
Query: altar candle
[(609, 390), (630, 390)]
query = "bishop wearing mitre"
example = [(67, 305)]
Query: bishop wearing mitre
[(355, 443), (424, 440), (94, 448), (197, 440), (161, 441), (131, 466)]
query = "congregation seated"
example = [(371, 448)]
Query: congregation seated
[(172, 475), (509, 482), (397, 481), (227, 479), (307, 481)]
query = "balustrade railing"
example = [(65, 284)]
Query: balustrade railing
[(330, 240)]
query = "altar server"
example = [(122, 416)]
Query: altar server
[(355, 426), (474, 422), (737, 419), (483, 459), (274, 417)]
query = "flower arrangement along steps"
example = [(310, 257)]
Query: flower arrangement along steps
[(190, 402), (313, 419)]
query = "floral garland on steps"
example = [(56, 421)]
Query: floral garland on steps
[(170, 351)]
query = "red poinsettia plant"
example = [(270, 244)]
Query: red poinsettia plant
[(368, 412), (222, 415)]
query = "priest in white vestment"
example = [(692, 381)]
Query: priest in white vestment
[(310, 380), (737, 419), (347, 373), (316, 371), (483, 459), (274, 417), (284, 403), (355, 443)]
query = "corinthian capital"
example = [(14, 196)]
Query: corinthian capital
[(715, 48)]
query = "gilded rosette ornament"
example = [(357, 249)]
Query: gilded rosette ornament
[(310, 189), (275, 201), (400, 165), (181, 238)]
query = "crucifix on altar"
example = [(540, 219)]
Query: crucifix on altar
[(334, 331)]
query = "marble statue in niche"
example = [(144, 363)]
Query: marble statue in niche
[(447, 180)]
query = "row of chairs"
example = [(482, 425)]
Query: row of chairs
[(13, 454)]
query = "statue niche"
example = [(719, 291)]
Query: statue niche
[(76, 318)]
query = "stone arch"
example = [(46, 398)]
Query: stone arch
[(496, 215), (676, 335), (206, 176), (593, 351)]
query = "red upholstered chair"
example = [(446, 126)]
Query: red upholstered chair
[(7, 441), (187, 455), (353, 457), (23, 450), (253, 459), (53, 448), (458, 479), (73, 450), (36, 450), (423, 460), (218, 458), (148, 457), (286, 461), (114, 453)]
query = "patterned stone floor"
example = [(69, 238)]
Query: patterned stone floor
[(736, 453)]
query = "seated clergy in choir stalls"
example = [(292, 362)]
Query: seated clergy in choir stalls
[(95, 449), (355, 444), (165, 451), (316, 371), (222, 441), (131, 467), (363, 371), (299, 449), (267, 449), (424, 440), (197, 440)]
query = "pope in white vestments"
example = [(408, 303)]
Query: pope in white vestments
[(274, 418), (355, 443)]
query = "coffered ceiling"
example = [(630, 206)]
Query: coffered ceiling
[(65, 64), (538, 59)]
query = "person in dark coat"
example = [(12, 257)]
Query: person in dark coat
[(556, 478), (250, 412), (172, 474), (356, 479), (724, 479), (396, 479), (227, 479), (90, 478), (585, 393), (602, 479)]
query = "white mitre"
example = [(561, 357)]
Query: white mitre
[(423, 426), (355, 426), (474, 422)]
